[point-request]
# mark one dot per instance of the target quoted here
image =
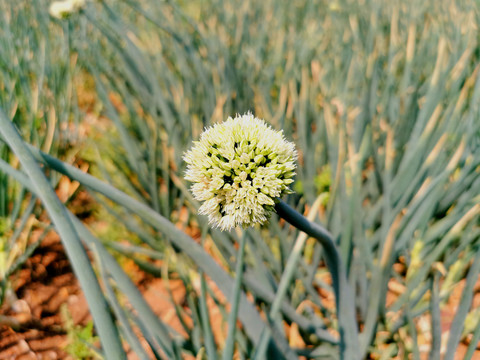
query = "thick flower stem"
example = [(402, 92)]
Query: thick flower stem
[(232, 318), (344, 297)]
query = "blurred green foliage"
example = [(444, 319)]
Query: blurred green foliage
[(36, 76), (81, 339)]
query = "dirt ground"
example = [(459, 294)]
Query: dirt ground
[(32, 325), (41, 286)]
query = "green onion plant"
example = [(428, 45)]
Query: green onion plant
[(381, 102)]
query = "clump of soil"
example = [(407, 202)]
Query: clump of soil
[(31, 325)]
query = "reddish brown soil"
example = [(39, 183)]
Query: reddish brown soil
[(31, 324), (44, 283)]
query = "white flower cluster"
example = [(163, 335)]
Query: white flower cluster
[(63, 9), (238, 168)]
